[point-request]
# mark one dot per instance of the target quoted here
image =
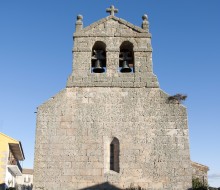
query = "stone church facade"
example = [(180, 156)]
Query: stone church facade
[(112, 127)]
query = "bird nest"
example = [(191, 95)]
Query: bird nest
[(178, 98)]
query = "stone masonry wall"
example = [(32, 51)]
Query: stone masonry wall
[(200, 171), (75, 128)]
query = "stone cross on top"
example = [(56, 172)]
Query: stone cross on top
[(112, 10)]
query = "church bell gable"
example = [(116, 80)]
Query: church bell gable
[(111, 63), (113, 26), (112, 127)]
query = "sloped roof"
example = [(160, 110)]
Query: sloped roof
[(200, 166), (120, 20), (27, 171), (9, 139), (15, 146)]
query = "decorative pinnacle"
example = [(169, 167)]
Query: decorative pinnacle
[(145, 23), (79, 17), (112, 10), (145, 17), (79, 23)]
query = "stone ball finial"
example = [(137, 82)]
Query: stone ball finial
[(79, 23), (145, 17), (145, 23), (79, 17)]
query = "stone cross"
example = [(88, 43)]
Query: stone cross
[(112, 10)]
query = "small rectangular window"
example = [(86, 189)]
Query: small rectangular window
[(112, 157)]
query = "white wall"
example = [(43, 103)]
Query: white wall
[(9, 178)]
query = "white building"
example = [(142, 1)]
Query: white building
[(25, 181)]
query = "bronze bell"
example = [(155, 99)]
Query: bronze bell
[(98, 67), (125, 67)]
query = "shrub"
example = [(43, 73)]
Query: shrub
[(198, 185)]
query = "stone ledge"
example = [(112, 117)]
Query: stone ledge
[(138, 35), (114, 84)]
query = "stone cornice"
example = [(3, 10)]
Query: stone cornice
[(120, 20)]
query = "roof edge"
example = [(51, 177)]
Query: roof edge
[(120, 20), (9, 137), (21, 148), (200, 165), (17, 150)]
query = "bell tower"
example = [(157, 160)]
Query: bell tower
[(112, 52)]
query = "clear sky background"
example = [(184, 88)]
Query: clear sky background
[(36, 59)]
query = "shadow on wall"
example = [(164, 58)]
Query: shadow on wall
[(108, 186), (103, 186), (2, 186)]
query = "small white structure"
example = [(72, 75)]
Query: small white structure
[(25, 181)]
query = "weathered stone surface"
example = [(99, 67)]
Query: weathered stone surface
[(200, 171), (113, 32), (76, 127)]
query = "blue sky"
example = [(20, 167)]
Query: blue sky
[(36, 59)]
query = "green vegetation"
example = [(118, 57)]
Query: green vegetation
[(198, 185)]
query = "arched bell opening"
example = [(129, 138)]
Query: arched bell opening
[(98, 62), (114, 155), (126, 57)]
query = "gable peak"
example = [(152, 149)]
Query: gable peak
[(112, 10)]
